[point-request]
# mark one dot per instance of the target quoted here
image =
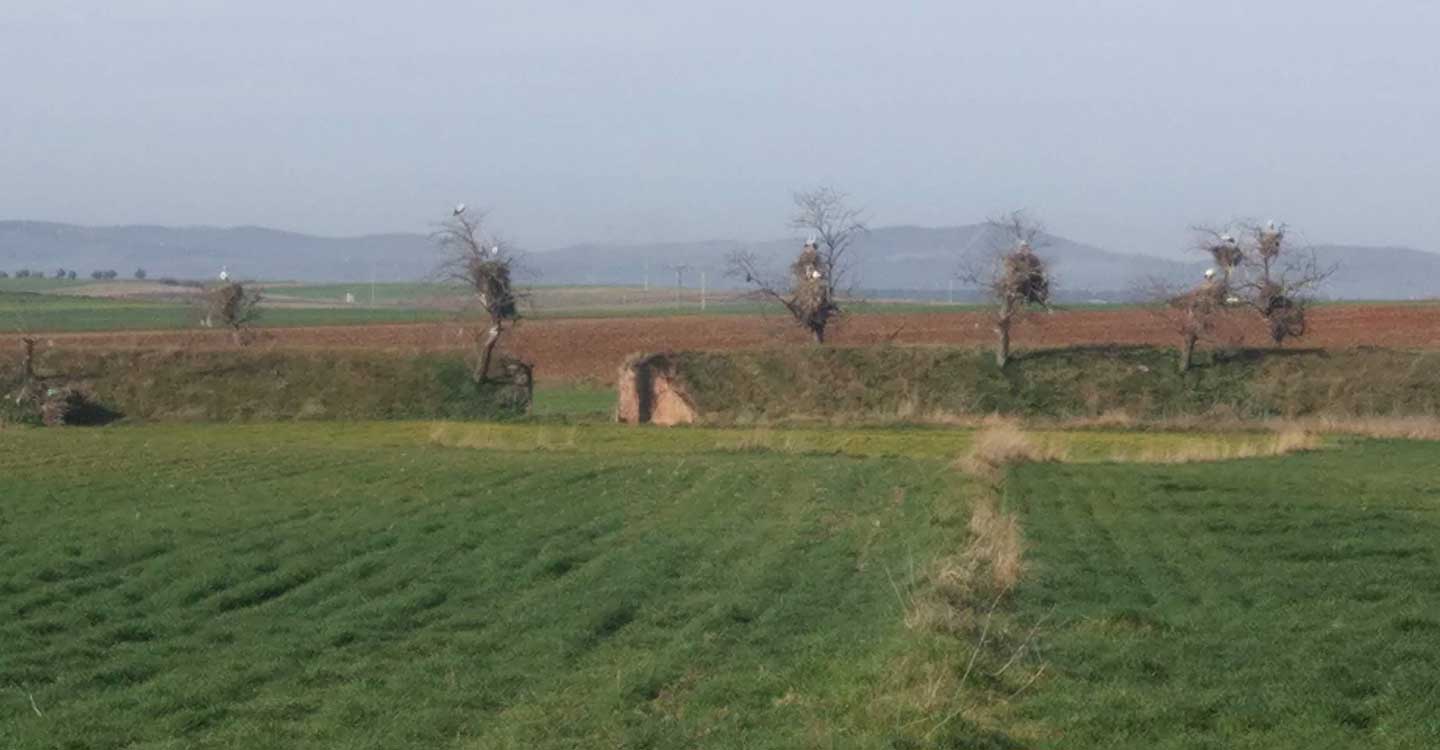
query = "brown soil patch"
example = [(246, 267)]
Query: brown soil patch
[(591, 348)]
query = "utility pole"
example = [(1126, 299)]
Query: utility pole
[(372, 284), (680, 270), (647, 275), (702, 291)]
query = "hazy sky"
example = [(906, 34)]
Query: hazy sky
[(1120, 123)]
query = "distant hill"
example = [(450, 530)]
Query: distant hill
[(1380, 272), (891, 261), (200, 252)]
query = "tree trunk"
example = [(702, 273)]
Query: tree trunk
[(819, 333), (1002, 348), (1187, 352), (487, 352), (28, 364)]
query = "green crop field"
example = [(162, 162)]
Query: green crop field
[(1288, 603), (36, 284), (34, 305), (34, 312), (554, 585), (68, 313)]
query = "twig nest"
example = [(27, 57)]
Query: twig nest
[(1025, 278)]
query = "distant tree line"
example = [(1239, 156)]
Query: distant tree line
[(70, 274)]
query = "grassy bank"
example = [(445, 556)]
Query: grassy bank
[(928, 383), (248, 385)]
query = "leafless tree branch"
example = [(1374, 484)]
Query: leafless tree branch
[(1010, 274), (485, 265), (819, 276)]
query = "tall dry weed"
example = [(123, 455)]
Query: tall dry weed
[(1403, 428), (1283, 442)]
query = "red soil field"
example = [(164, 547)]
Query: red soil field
[(592, 348)]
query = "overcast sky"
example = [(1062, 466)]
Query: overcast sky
[(1120, 125)]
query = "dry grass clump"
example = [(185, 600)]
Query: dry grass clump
[(959, 589), (997, 543), (963, 585), (1403, 428), (1001, 444), (1289, 440)]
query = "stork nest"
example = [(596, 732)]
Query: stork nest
[(490, 279), (1269, 245), (1227, 256), (1024, 278), (809, 285)]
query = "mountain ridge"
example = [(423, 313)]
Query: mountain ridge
[(904, 258)]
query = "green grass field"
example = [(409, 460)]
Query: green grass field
[(32, 305), (587, 585), (67, 313), (1288, 603), (37, 285), (356, 587), (36, 312)]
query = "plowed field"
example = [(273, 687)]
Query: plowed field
[(592, 348)]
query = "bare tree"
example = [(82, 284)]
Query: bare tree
[(1194, 314), (484, 265), (1270, 278), (1280, 282), (1012, 276), (807, 293), (232, 306), (822, 272), (833, 226), (27, 362)]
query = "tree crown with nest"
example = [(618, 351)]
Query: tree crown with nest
[(483, 264)]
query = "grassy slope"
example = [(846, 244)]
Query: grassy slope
[(268, 386), (1255, 604), (891, 382)]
